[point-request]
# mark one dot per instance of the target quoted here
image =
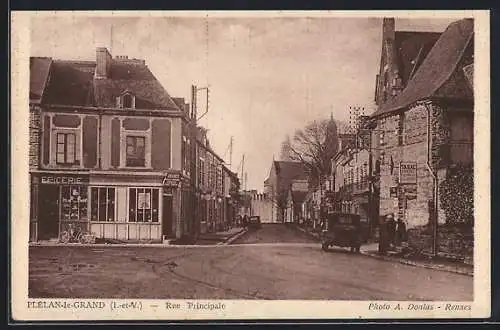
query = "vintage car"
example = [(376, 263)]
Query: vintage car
[(254, 222), (345, 230)]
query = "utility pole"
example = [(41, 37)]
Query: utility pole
[(231, 153), (194, 164), (243, 170)]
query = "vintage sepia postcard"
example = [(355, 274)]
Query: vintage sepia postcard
[(250, 165)]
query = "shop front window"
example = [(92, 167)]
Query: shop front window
[(102, 204), (74, 203), (143, 205)]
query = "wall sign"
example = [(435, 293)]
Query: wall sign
[(410, 191), (172, 180), (61, 179), (407, 172)]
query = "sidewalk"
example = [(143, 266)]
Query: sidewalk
[(218, 238), (223, 236), (371, 250)]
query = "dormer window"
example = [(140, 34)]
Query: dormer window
[(126, 101)]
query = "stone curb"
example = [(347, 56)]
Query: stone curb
[(118, 245), (417, 264), (403, 261), (233, 238)]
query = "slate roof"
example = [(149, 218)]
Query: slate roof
[(440, 74), (410, 46), (73, 83), (70, 83), (289, 171), (39, 73), (137, 79)]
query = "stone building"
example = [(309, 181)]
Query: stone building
[(260, 205), (210, 185), (282, 174), (424, 120), (231, 196), (105, 150)]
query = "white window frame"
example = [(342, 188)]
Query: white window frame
[(152, 189), (107, 194)]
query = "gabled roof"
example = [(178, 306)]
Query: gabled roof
[(411, 49), (70, 83), (73, 83), (39, 73), (139, 81), (440, 73), (290, 170)]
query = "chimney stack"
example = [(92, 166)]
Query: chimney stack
[(103, 61)]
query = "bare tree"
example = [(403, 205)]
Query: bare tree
[(314, 146)]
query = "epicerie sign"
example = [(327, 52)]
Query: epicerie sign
[(408, 172), (62, 179)]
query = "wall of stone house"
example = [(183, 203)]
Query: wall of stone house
[(262, 207), (34, 137), (414, 149), (451, 241)]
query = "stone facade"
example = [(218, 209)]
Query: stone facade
[(404, 139), (451, 241), (34, 137)]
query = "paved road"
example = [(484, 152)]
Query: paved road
[(274, 233), (297, 270)]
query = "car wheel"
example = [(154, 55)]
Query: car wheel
[(324, 246)]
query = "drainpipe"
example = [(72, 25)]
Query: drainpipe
[(434, 181), (100, 142)]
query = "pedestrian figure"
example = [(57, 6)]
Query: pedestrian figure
[(245, 221), (401, 231), (391, 229), (383, 242)]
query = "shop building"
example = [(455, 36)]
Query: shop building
[(209, 185), (110, 147)]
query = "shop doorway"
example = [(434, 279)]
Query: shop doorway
[(167, 219), (48, 207)]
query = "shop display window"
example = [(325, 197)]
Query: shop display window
[(102, 207), (143, 205), (74, 203)]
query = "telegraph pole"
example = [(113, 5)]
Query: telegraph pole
[(231, 154)]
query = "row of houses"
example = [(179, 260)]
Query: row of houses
[(397, 159), (114, 154)]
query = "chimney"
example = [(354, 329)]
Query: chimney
[(103, 63), (388, 66)]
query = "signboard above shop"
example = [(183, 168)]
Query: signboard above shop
[(172, 180), (60, 179), (408, 173)]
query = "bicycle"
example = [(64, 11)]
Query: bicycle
[(76, 235)]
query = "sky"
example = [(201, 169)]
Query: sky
[(268, 76)]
